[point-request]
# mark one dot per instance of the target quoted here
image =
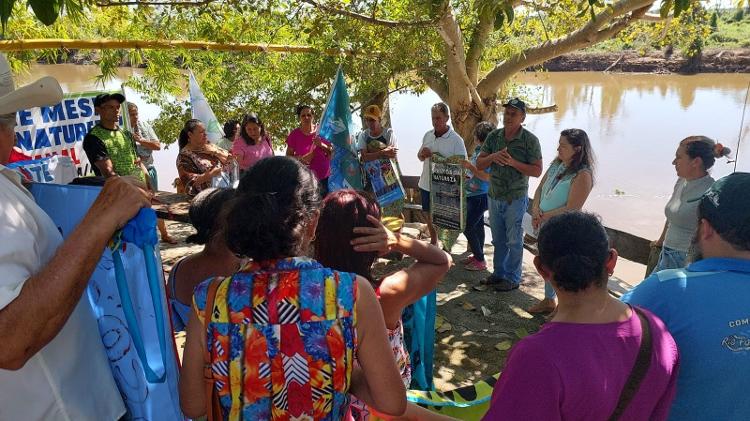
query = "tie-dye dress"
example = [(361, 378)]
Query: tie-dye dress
[(282, 340)]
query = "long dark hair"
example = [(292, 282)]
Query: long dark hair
[(342, 211), (272, 206), (253, 118), (230, 129), (189, 126), (583, 157)]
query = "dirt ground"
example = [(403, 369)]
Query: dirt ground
[(475, 329)]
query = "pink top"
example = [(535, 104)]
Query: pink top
[(301, 144), (575, 371), (248, 155)]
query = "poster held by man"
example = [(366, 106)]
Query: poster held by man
[(447, 193)]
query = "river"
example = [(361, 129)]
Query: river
[(635, 122)]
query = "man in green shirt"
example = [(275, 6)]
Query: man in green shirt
[(109, 148), (514, 154)]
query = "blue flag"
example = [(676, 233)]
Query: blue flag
[(336, 126)]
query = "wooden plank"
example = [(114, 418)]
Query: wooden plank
[(628, 246), (172, 206)]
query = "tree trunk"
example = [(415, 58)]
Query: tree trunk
[(464, 119), (379, 98)]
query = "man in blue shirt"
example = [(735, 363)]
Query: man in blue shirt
[(706, 307)]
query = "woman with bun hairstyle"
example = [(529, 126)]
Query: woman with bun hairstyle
[(350, 237), (214, 260), (694, 157), (253, 143), (284, 331), (578, 366), (198, 161)]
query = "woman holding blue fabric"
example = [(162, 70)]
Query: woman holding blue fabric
[(565, 186)]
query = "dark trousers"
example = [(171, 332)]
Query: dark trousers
[(474, 230)]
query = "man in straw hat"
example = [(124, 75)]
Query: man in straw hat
[(53, 365), (705, 307)]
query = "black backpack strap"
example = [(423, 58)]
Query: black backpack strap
[(640, 368)]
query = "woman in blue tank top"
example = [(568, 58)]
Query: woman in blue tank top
[(214, 260), (565, 186)]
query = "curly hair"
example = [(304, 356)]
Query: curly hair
[(272, 206), (483, 129), (574, 246)]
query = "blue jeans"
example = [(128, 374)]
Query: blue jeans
[(670, 259), (474, 230), (507, 237)]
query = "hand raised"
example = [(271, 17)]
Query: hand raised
[(375, 238)]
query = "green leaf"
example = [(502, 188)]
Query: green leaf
[(509, 12), (46, 11), (666, 6), (583, 12), (499, 20), (521, 332), (6, 8)]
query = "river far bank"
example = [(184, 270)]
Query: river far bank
[(659, 62)]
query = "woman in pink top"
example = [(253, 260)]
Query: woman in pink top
[(576, 366), (253, 144), (304, 144)]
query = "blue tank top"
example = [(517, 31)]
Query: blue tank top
[(556, 187), (180, 312)]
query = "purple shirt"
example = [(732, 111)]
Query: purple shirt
[(575, 371), (301, 144)]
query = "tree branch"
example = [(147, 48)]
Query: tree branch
[(594, 31), (110, 3), (110, 44), (370, 19), (477, 43), (456, 65), (436, 83)]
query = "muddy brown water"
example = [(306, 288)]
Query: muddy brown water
[(634, 121)]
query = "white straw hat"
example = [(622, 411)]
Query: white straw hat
[(44, 91)]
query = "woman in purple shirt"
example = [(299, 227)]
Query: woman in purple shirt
[(576, 366), (304, 144)]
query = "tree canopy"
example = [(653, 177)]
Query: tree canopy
[(465, 50)]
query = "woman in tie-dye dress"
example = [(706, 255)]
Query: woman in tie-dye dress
[(284, 331)]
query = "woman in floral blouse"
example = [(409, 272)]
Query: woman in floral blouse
[(198, 161), (284, 331)]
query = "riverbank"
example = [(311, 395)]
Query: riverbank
[(711, 61)]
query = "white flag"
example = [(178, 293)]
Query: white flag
[(203, 112)]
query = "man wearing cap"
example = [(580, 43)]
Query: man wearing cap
[(53, 365), (375, 142), (515, 155), (110, 149), (706, 307)]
